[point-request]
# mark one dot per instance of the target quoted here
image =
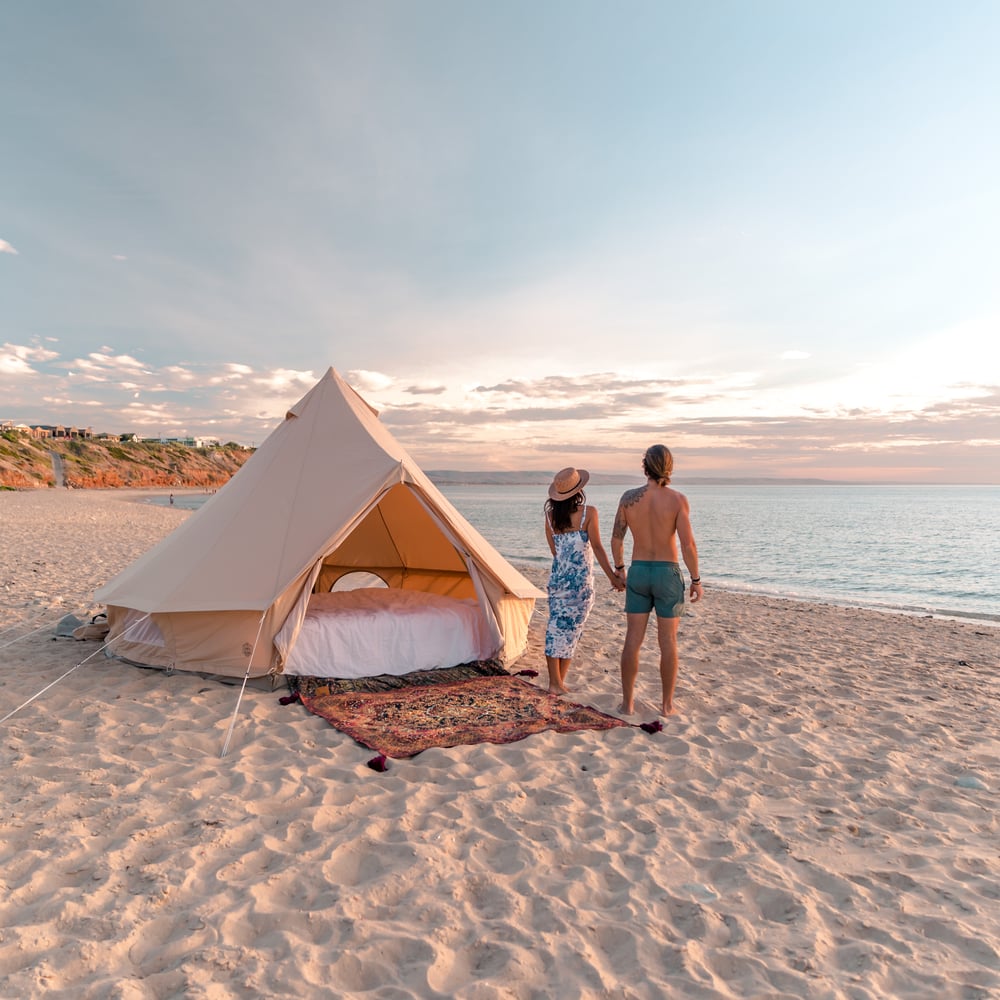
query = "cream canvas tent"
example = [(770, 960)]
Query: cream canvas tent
[(328, 493)]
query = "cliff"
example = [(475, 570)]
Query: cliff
[(27, 464)]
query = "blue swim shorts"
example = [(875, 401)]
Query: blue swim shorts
[(653, 584)]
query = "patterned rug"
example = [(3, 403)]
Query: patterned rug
[(482, 709)]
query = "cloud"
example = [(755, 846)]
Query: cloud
[(563, 386), (368, 381), (425, 390), (722, 423), (15, 359), (5, 247), (794, 355), (418, 415), (231, 372), (282, 381), (105, 361)]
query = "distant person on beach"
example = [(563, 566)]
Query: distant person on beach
[(171, 499), (658, 516), (574, 538)]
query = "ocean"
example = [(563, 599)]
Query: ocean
[(908, 549)]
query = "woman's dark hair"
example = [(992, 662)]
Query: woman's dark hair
[(561, 511)]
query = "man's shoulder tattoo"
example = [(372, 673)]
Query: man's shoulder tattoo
[(631, 497)]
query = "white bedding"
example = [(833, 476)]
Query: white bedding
[(363, 633)]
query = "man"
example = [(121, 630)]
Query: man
[(658, 516)]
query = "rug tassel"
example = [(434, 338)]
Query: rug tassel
[(651, 727), (379, 763)]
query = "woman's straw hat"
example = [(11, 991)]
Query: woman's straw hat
[(567, 482)]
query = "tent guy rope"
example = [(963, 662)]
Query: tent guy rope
[(27, 635), (52, 684), (243, 687)]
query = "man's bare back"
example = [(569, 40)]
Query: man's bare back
[(656, 516)]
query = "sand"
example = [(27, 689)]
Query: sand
[(819, 819)]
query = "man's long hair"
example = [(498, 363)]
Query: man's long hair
[(658, 463)]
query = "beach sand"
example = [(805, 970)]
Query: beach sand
[(818, 820)]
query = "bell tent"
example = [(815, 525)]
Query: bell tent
[(329, 492)]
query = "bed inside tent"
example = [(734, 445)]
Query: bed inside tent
[(385, 604)]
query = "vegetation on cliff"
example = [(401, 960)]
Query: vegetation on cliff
[(27, 463)]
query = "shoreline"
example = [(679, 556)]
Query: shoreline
[(818, 819), (530, 569), (531, 565), (535, 569)]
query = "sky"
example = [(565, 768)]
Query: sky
[(531, 234)]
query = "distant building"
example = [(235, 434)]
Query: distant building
[(60, 431), (187, 442)]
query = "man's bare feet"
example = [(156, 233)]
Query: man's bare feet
[(667, 709), (624, 709)]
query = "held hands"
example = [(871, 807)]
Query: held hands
[(618, 580)]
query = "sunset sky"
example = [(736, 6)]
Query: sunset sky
[(532, 234)]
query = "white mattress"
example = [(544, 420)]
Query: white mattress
[(363, 633)]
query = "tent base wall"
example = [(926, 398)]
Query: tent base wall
[(219, 643)]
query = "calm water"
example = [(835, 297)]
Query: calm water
[(933, 549), (920, 549)]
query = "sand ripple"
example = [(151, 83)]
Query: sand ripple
[(800, 829)]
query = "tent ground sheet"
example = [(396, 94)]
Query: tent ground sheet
[(401, 720)]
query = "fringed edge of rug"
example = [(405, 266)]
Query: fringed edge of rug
[(380, 762)]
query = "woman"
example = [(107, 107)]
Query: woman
[(574, 538)]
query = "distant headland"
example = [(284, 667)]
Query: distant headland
[(529, 477), (29, 462)]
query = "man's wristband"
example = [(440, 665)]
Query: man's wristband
[(696, 579), (620, 567)]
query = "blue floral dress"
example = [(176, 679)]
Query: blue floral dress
[(571, 591)]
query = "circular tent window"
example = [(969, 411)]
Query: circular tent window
[(356, 581)]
